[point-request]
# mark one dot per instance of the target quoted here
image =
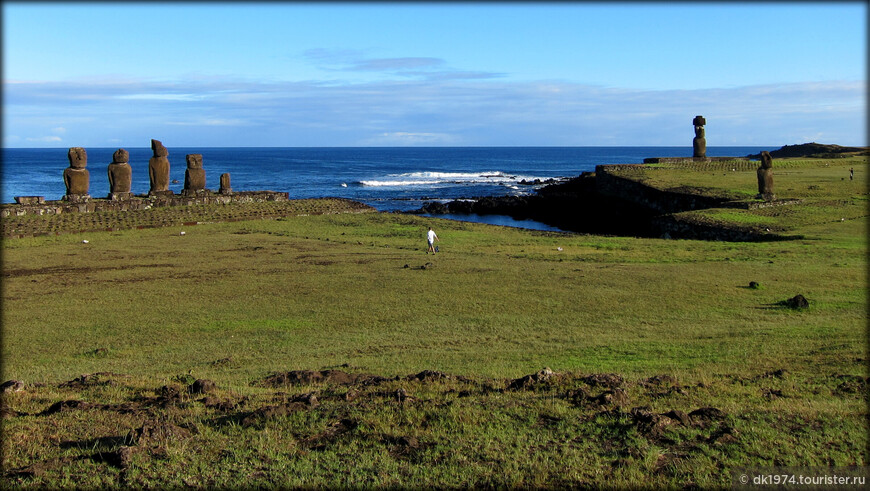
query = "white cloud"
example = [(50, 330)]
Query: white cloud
[(427, 68), (209, 122), (161, 97), (429, 111), (44, 139), (402, 138)]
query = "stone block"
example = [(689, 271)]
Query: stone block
[(30, 200), (121, 196)]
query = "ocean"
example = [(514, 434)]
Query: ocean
[(389, 179)]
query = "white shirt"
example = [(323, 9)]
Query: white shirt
[(431, 235)]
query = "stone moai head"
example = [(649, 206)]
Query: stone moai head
[(158, 149), (699, 123), (120, 156), (766, 160), (194, 160), (78, 158)]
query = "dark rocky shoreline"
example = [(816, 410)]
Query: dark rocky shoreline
[(564, 205), (816, 151)]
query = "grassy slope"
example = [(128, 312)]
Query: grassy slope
[(235, 302), (822, 185)]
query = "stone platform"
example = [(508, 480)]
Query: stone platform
[(689, 160), (36, 205)]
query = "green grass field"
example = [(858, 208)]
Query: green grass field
[(673, 322)]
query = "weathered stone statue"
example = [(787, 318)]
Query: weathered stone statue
[(76, 178), (699, 143), (120, 175), (765, 177), (158, 169), (225, 184), (194, 176)]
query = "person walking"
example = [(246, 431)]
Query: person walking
[(431, 237), (851, 173)]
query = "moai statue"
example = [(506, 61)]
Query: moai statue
[(158, 169), (699, 143), (120, 176), (76, 178), (225, 184), (765, 177), (194, 176)]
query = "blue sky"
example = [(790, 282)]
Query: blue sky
[(432, 74)]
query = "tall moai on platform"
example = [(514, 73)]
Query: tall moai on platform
[(194, 176), (699, 143), (765, 177), (76, 178), (120, 175), (158, 169), (225, 184)]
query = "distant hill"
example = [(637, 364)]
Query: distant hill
[(814, 150)]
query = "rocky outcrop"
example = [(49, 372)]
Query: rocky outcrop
[(564, 205), (814, 150), (610, 202)]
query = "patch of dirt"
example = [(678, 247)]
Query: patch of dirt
[(403, 447), (202, 386), (609, 380), (157, 433), (531, 381), (91, 380), (659, 386), (615, 397), (55, 270), (266, 413), (659, 380), (650, 424), (322, 440), (40, 468), (724, 436), (779, 373), (307, 377), (223, 406), (851, 385), (11, 386), (771, 393), (705, 415), (70, 405), (429, 376)]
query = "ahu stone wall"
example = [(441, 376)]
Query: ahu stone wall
[(34, 205)]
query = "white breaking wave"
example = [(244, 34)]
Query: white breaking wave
[(398, 183), (439, 178)]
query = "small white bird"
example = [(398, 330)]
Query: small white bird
[(182, 232), (344, 184), (85, 241), (559, 249)]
